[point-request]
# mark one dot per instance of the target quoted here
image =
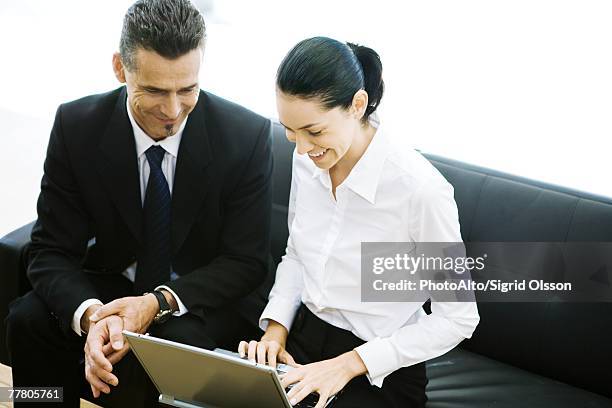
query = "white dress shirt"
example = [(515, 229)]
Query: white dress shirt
[(391, 195), (143, 142)]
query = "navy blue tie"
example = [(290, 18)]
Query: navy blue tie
[(154, 264)]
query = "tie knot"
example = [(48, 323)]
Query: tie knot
[(155, 155)]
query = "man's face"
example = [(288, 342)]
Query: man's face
[(161, 92)]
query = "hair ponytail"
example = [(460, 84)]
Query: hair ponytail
[(332, 72), (372, 75)]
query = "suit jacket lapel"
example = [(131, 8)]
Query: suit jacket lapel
[(118, 167), (190, 177)]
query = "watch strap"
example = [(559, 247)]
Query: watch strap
[(165, 310), (161, 299)]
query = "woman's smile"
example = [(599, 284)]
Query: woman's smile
[(316, 156)]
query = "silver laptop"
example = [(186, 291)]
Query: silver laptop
[(188, 376)]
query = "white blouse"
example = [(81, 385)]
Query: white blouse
[(391, 195)]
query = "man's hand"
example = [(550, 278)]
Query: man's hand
[(103, 348), (85, 322), (136, 312), (325, 377)]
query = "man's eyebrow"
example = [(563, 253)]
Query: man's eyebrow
[(303, 127), (154, 88), (189, 87)]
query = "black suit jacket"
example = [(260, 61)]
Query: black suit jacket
[(221, 203)]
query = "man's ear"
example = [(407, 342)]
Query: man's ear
[(360, 103), (118, 67)]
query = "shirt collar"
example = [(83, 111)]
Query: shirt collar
[(143, 141), (365, 175)]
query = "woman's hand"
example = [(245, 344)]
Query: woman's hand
[(270, 349), (325, 377)]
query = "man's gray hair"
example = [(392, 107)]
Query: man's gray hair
[(171, 28)]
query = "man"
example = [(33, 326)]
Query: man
[(153, 216)]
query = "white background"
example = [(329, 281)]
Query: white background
[(519, 86)]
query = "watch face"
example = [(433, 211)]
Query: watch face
[(162, 316)]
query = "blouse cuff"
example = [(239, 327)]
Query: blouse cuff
[(281, 310), (380, 359)]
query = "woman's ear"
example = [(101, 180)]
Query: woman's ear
[(360, 104), (118, 67)]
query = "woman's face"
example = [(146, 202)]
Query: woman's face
[(324, 134)]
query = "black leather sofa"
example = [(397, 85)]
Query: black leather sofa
[(522, 354)]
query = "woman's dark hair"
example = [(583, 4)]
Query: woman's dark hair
[(332, 72), (171, 28)]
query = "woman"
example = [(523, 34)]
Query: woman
[(349, 185)]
